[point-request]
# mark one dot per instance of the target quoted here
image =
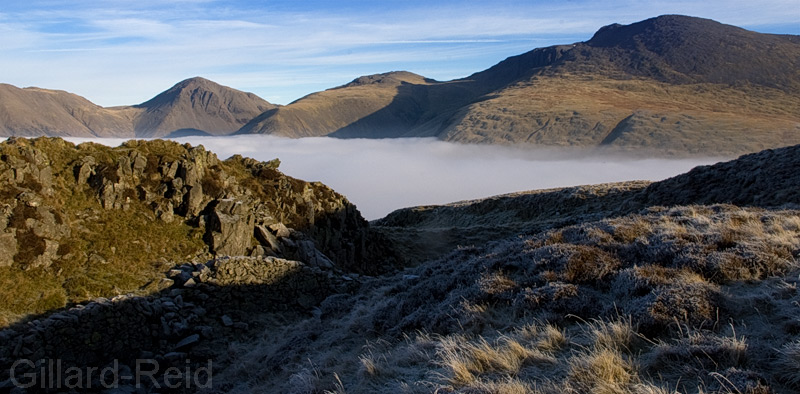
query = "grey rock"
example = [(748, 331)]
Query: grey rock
[(268, 239), (85, 170), (229, 228), (8, 244), (190, 340), (226, 320), (280, 230)]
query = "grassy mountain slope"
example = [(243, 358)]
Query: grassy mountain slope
[(194, 105), (375, 106), (674, 84), (671, 83), (34, 112), (198, 104)]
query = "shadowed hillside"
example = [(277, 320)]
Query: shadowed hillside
[(620, 288), (386, 105)]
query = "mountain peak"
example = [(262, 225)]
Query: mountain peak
[(199, 104), (389, 78), (684, 49), (664, 27), (190, 84), (197, 82)]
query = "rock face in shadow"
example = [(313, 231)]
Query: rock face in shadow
[(97, 221)]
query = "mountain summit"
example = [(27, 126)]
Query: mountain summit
[(198, 104), (681, 49), (195, 105), (671, 85)]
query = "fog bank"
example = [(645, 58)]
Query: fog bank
[(380, 176)]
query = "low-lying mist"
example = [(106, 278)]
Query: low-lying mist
[(380, 176)]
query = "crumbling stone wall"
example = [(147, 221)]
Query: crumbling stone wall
[(199, 303)]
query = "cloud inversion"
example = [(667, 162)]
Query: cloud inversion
[(380, 176)]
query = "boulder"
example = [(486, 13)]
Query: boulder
[(268, 239), (280, 230), (85, 170), (229, 228)]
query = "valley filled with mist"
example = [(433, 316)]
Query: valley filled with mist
[(380, 176)]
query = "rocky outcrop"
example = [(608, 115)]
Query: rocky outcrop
[(67, 207)]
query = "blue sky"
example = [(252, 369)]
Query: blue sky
[(119, 52)]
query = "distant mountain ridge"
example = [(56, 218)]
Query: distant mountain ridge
[(671, 84), (193, 104), (675, 84)]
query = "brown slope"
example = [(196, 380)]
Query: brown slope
[(200, 105), (36, 112), (373, 106), (575, 110), (672, 83), (675, 84)]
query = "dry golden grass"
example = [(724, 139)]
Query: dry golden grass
[(676, 118), (505, 386), (615, 335), (601, 370), (466, 361)]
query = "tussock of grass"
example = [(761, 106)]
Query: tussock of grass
[(467, 359), (788, 364), (601, 370), (505, 386), (615, 335)]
